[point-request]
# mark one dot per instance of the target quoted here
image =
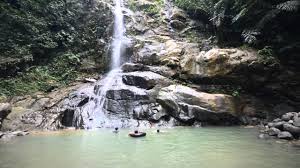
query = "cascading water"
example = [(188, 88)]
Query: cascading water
[(113, 101), (119, 30), (93, 114)]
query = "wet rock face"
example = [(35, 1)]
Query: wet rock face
[(143, 80), (188, 105), (126, 94), (138, 94), (121, 103), (135, 94)]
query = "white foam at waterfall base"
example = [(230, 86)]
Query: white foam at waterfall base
[(97, 116), (94, 112)]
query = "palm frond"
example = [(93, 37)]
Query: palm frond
[(250, 36), (289, 5)]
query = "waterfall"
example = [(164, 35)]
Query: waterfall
[(93, 114), (119, 30)]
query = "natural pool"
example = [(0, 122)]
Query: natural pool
[(231, 147)]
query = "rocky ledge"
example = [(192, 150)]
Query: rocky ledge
[(287, 127), (4, 136), (142, 94)]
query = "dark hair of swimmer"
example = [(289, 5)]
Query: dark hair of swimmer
[(157, 131), (116, 128), (136, 131)]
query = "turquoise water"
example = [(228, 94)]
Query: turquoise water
[(231, 147)]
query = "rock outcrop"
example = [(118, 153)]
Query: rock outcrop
[(40, 111), (6, 136), (138, 95), (188, 105), (220, 63)]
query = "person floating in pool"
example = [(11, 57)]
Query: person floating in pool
[(158, 131), (136, 134), (116, 130)]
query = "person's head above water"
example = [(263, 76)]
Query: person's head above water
[(116, 129), (136, 131), (157, 130)]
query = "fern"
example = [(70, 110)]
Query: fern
[(256, 14), (250, 36)]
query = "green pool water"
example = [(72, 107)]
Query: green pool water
[(231, 147)]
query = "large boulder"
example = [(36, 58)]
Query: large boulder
[(38, 111), (21, 119), (288, 116), (187, 104), (292, 129), (152, 112), (145, 80), (297, 121), (273, 131), (173, 52), (166, 52), (220, 64), (285, 135), (148, 54), (278, 125)]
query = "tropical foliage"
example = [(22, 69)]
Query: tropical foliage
[(39, 29), (43, 42), (251, 19)]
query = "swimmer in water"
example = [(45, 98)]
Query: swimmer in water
[(116, 130)]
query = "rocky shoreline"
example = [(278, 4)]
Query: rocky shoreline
[(6, 136), (287, 127)]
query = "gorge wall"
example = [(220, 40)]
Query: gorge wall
[(177, 75)]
